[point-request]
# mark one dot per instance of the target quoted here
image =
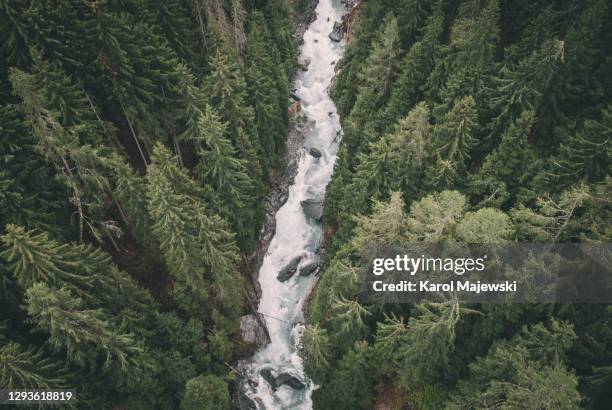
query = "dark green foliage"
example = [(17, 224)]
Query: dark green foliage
[(478, 121), (27, 368), (136, 142), (206, 393)]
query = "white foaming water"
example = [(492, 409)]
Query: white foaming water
[(281, 303)]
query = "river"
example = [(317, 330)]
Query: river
[(296, 234)]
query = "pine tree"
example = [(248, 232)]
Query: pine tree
[(469, 62), (29, 194), (226, 90), (393, 163), (34, 258), (14, 34), (555, 215), (227, 174), (347, 320), (85, 271), (173, 21), (385, 227), (268, 91), (429, 333), (79, 164), (411, 14)]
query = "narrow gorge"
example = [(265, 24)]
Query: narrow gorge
[(276, 379)]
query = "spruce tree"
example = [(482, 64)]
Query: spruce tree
[(509, 167), (83, 334), (351, 382), (586, 155), (434, 216), (520, 87), (416, 65), (28, 368), (454, 139), (34, 258), (225, 87), (315, 351), (528, 371), (375, 79), (194, 243)]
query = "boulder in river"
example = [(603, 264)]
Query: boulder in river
[(251, 331), (289, 380), (337, 32), (304, 63), (313, 208), (244, 401), (315, 152), (267, 375), (289, 270), (309, 268)]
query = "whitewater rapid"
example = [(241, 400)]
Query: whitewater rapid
[(282, 302)]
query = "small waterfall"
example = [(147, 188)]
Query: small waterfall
[(296, 234)]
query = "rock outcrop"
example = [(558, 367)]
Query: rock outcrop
[(251, 331), (289, 270), (289, 380), (337, 33), (315, 152), (313, 208), (309, 268)]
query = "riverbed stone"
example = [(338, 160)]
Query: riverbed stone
[(290, 380), (309, 268), (269, 377), (313, 208), (315, 152), (251, 331), (289, 270), (337, 32)]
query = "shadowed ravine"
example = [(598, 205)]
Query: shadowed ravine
[(298, 235)]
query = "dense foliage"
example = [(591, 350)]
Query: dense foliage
[(482, 121), (136, 142)]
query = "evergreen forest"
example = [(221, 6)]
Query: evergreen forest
[(137, 139), (479, 121)]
